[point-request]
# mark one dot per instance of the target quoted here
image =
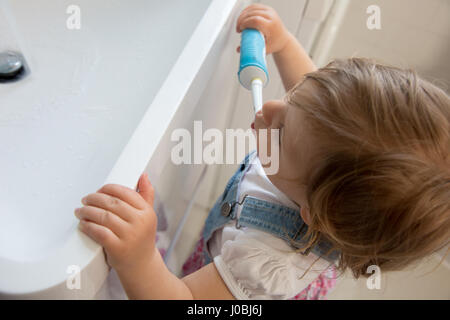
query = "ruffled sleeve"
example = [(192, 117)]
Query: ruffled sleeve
[(257, 265)]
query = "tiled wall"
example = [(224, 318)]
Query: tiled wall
[(414, 34)]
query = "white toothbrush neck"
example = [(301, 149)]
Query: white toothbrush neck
[(257, 94)]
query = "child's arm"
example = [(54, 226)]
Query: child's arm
[(292, 63), (124, 223), (155, 281), (291, 59)]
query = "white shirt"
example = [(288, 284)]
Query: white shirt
[(255, 264)]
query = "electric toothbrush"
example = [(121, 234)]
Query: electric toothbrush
[(252, 66)]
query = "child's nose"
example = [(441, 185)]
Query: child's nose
[(269, 109)]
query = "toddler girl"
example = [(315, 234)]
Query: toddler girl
[(363, 179)]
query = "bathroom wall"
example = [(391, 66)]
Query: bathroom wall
[(414, 34)]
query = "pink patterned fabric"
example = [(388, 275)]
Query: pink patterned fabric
[(196, 260), (317, 290), (162, 251), (320, 287)]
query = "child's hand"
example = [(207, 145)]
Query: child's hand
[(266, 20), (123, 222)]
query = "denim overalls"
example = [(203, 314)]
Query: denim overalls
[(278, 220)]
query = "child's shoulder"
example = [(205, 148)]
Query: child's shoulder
[(261, 265)]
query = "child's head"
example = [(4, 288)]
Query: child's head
[(378, 182)]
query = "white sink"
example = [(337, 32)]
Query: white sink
[(92, 110)]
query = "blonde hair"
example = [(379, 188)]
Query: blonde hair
[(381, 193)]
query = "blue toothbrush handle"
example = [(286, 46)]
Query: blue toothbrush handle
[(253, 58)]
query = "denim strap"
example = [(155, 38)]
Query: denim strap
[(283, 222)]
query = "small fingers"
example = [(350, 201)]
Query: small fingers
[(254, 12), (111, 203), (254, 7), (255, 22), (100, 234), (123, 193), (104, 218)]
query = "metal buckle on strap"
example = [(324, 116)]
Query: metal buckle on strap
[(227, 207), (238, 226)]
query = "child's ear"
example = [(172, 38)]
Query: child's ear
[(304, 213)]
